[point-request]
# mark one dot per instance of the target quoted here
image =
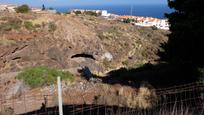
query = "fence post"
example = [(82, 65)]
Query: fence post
[(59, 95)]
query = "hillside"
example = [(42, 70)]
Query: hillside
[(67, 42), (29, 40)]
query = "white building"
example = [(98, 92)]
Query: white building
[(36, 10), (149, 22), (7, 7), (105, 13), (164, 24)]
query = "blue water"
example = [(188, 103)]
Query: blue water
[(156, 11)]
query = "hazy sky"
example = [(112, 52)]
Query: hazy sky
[(82, 2)]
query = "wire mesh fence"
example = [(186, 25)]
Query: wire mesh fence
[(178, 100)]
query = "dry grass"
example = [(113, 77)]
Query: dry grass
[(146, 98), (6, 42)]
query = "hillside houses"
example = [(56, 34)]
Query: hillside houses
[(138, 20), (96, 12), (147, 21)]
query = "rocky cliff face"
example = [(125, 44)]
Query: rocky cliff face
[(68, 41)]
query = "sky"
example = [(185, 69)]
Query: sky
[(82, 2)]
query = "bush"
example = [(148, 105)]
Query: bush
[(59, 13), (154, 28), (68, 13), (42, 76), (77, 12), (12, 23), (5, 27), (125, 63), (91, 13), (4, 18), (15, 23), (52, 27), (28, 25), (37, 26), (23, 9), (128, 20)]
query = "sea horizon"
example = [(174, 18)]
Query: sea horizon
[(154, 10)]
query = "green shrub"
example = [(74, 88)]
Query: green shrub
[(68, 13), (42, 76), (5, 27), (128, 20), (59, 13), (37, 26), (16, 23), (12, 23), (154, 28), (4, 18), (51, 8), (91, 13), (77, 12), (125, 63), (52, 27), (28, 25), (23, 9)]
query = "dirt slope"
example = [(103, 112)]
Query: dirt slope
[(112, 44)]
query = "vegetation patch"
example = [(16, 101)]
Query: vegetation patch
[(52, 27), (111, 33), (91, 13), (43, 76), (10, 23), (77, 12), (28, 25), (23, 9), (6, 42), (154, 28), (125, 63), (128, 20)]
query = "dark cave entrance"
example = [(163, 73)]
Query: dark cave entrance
[(84, 56)]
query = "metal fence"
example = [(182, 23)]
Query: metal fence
[(178, 100)]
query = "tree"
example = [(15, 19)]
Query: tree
[(43, 7), (128, 20), (51, 8), (23, 9), (186, 42)]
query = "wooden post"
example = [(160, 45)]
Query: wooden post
[(59, 96)]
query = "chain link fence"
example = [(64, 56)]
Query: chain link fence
[(185, 99)]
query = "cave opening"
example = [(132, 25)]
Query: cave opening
[(84, 56)]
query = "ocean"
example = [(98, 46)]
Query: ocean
[(156, 11)]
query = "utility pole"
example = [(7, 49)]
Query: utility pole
[(59, 95)]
